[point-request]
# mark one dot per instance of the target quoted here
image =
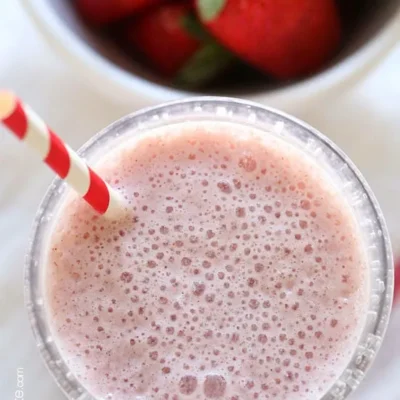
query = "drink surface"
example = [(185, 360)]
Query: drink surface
[(238, 274)]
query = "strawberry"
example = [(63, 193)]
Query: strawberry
[(101, 12), (286, 38), (396, 297), (175, 44), (160, 35)]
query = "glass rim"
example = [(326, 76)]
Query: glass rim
[(364, 353)]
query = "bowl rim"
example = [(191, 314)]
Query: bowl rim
[(95, 68)]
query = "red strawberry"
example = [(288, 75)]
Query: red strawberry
[(396, 297), (100, 12), (160, 35), (176, 45), (285, 38)]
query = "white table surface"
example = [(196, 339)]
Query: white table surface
[(365, 122)]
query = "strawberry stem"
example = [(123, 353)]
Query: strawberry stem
[(210, 9)]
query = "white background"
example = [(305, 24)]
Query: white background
[(365, 122)]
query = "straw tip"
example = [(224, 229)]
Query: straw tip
[(116, 207), (8, 102)]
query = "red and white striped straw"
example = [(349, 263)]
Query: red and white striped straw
[(30, 128)]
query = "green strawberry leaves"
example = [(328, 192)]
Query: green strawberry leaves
[(207, 63), (210, 9), (193, 27)]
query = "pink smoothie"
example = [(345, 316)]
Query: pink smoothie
[(237, 273)]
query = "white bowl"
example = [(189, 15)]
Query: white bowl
[(111, 73)]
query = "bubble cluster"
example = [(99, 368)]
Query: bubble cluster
[(238, 274)]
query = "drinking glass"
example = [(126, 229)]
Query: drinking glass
[(348, 179)]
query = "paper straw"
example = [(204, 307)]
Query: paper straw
[(30, 128)]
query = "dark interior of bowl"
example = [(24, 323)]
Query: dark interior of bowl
[(362, 20)]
